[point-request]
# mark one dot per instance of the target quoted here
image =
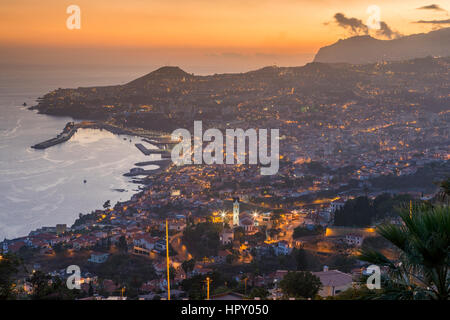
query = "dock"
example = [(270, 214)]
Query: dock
[(161, 142), (148, 152), (67, 133), (143, 149), (149, 163)]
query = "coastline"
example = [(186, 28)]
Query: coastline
[(142, 179)]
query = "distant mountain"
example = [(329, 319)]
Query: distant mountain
[(163, 73), (365, 49)]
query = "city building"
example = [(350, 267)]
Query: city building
[(333, 281)]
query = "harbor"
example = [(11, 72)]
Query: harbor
[(148, 152), (67, 133), (154, 138)]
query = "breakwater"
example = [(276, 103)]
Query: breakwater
[(67, 133)]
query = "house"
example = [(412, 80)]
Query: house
[(141, 251), (145, 241), (109, 286), (336, 205), (282, 248), (354, 239), (160, 268), (100, 235), (248, 225), (84, 242), (263, 219), (61, 228), (14, 246), (160, 246), (177, 226), (226, 237), (222, 256), (199, 269), (98, 257), (153, 285), (278, 275), (333, 281), (180, 275)]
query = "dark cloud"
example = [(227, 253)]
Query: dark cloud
[(356, 26), (386, 31), (435, 7), (434, 21)]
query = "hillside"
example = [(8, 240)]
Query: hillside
[(365, 49)]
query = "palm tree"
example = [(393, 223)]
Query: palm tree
[(444, 193), (423, 243)]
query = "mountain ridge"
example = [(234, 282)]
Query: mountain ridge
[(366, 49), (169, 98)]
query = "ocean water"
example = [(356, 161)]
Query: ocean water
[(45, 187)]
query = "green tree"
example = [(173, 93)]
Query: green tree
[(122, 244), (172, 273), (444, 193), (305, 260), (259, 292), (202, 239), (91, 290), (230, 258), (423, 242), (302, 284), (9, 266), (41, 285), (188, 265)]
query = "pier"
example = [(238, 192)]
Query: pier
[(148, 152), (161, 142), (67, 133)]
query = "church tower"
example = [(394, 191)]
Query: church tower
[(235, 212)]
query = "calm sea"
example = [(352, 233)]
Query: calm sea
[(45, 187)]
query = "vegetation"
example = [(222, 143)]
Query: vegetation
[(300, 284), (423, 242), (122, 244), (46, 287), (444, 194), (303, 231), (9, 266), (188, 266), (306, 260), (202, 239), (195, 286), (129, 270), (259, 292), (363, 212)]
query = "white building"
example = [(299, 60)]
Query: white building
[(98, 257), (354, 239), (333, 281), (282, 248), (226, 237), (145, 241), (335, 205), (235, 212)]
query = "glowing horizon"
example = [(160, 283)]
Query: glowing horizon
[(272, 32)]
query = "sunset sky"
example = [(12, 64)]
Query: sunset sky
[(192, 32)]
